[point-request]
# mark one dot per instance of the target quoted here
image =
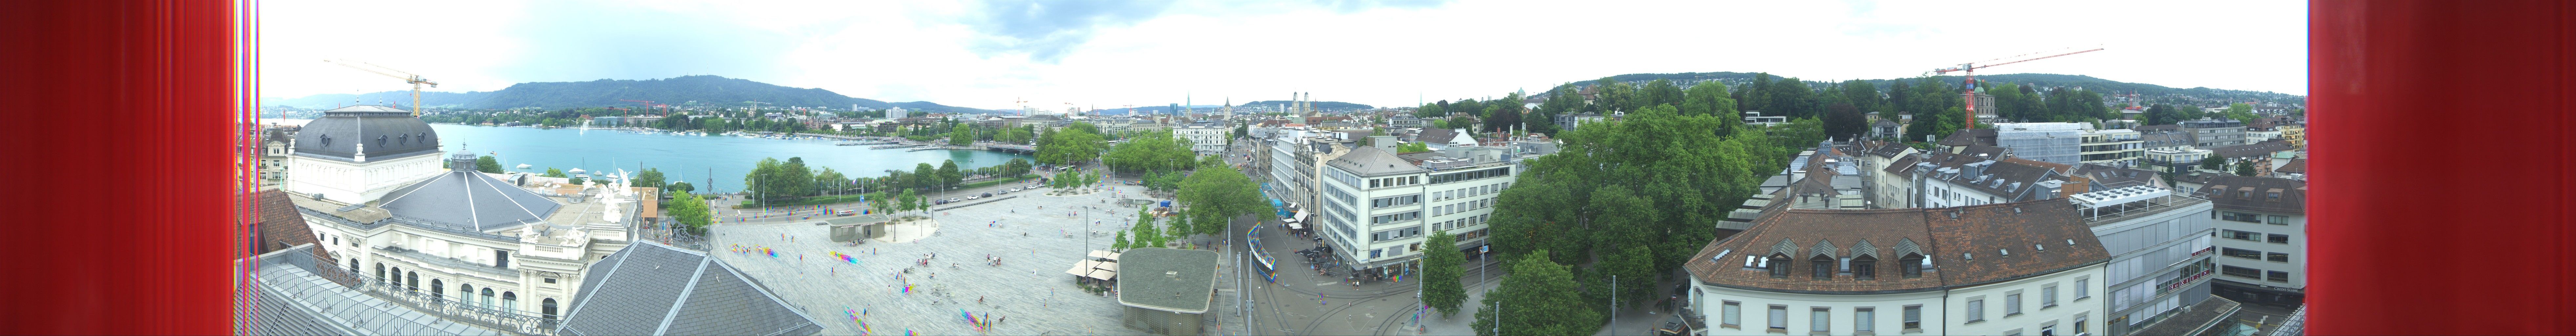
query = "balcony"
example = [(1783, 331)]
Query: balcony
[(459, 311), (426, 259)]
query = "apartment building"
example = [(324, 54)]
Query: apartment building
[(2261, 226), (1378, 208)]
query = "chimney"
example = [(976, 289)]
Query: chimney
[(1383, 142)]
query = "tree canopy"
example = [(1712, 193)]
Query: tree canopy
[(1543, 299)]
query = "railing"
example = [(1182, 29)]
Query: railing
[(2173, 201), (409, 254), (2294, 325), (460, 311), (2179, 283)]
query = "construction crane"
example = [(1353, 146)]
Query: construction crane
[(407, 77), (1023, 103), (1971, 69)]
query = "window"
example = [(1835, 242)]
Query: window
[(437, 290), (1864, 319), (2014, 332), (411, 281), (487, 297), (2242, 253), (1779, 265), (2079, 324), (2277, 238), (2276, 276), (1373, 254), (2240, 235), (2241, 217), (2240, 272), (1977, 310), (1911, 265), (509, 301), (2012, 304), (1913, 318), (550, 280), (2048, 296), (501, 259), (1733, 315), (1864, 268), (549, 305), (1820, 319), (2276, 257), (1780, 318), (2082, 292), (1824, 267), (2277, 219), (380, 271)]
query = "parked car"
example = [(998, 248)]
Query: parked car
[(846, 212), (988, 195), (971, 197), (939, 202), (1015, 189), (954, 200), (1001, 192)]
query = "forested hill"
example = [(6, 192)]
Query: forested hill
[(1326, 105), (2150, 91), (703, 89)]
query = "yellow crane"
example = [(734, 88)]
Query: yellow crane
[(407, 77)]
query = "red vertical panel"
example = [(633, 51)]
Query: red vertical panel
[(2440, 199), (120, 177)]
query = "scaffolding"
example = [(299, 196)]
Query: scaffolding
[(2060, 143)]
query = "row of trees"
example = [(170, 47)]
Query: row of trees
[(1151, 151), (1078, 143)]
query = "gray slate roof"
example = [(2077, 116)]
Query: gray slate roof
[(654, 289), (470, 199), (293, 300), (1370, 161), (1142, 281), (387, 132)]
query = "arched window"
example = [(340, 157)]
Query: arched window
[(487, 297), (1912, 265), (380, 271), (353, 266), (1823, 267), (509, 302), (411, 280), (1779, 265), (397, 275), (1864, 267), (465, 293), (549, 306), (437, 290)]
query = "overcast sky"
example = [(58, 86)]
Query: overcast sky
[(1109, 54)]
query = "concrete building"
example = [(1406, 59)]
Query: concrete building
[(2214, 133), (1886, 129), (2260, 154), (897, 113), (1568, 122), (361, 152), (1889, 185), (2296, 133), (2117, 148), (2159, 242), (276, 148), (2261, 225), (2175, 161), (1984, 182), (2263, 129), (1378, 208), (1207, 137), (2028, 268), (2059, 143)]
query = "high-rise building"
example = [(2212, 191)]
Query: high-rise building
[(897, 113)]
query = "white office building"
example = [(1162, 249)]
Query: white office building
[(1378, 208)]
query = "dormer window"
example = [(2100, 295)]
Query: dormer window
[(1864, 267), (1824, 267), (380, 140), (1911, 265), (1778, 264), (2275, 196)]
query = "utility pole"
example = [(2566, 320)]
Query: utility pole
[(1614, 305)]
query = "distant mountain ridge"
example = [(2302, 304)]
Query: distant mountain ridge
[(2089, 83), (613, 92)]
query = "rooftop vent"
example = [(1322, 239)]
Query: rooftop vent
[(1968, 256), (2004, 251), (2070, 242), (2040, 247)]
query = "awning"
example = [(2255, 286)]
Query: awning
[(1293, 225), (1106, 266), (1080, 268), (1301, 216), (1104, 255), (1103, 275)]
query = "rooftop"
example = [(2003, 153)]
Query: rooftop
[(1967, 246), (1371, 161), (1174, 280), (654, 289), (2255, 193)]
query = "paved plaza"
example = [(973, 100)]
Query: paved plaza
[(1029, 292)]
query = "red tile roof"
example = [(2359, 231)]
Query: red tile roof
[(1967, 250)]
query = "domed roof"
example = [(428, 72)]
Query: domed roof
[(386, 132), (470, 199)]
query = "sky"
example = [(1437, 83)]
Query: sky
[(1108, 54)]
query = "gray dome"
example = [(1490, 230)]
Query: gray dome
[(471, 200), (387, 132)]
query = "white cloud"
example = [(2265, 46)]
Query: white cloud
[(1380, 56)]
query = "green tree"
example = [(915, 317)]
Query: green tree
[(948, 174), (1218, 193), (487, 164), (881, 202), (1442, 267), (961, 135), (925, 176), (2213, 163), (692, 212), (1543, 299), (831, 181), (681, 187), (2245, 168), (1412, 147), (908, 201), (552, 172), (650, 177), (1016, 167), (2241, 112), (1121, 243)]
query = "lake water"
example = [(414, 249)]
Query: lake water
[(681, 158)]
